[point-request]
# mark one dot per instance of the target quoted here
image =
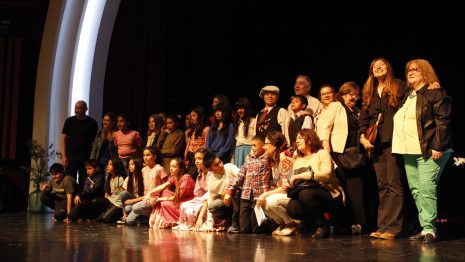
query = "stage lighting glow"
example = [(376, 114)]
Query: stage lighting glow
[(84, 56)]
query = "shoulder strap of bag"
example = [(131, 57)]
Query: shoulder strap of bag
[(379, 119)]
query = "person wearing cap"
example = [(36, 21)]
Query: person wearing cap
[(302, 86), (272, 117)]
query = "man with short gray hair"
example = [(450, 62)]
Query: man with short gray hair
[(302, 86)]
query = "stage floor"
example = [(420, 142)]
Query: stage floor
[(34, 237)]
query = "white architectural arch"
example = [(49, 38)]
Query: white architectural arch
[(72, 63)]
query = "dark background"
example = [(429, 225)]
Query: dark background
[(171, 55)]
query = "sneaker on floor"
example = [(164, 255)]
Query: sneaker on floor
[(429, 238), (233, 229), (206, 228), (419, 236), (287, 231), (121, 222), (277, 231), (185, 228), (321, 232), (356, 229)]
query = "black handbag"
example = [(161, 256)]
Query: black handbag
[(293, 192), (352, 158)]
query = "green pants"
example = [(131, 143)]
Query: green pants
[(423, 176)]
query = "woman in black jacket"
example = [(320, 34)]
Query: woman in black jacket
[(422, 135), (382, 94)]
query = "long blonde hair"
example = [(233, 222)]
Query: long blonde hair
[(426, 68)]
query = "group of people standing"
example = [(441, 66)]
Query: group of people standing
[(289, 163), (414, 136)]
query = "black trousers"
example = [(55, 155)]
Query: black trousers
[(77, 170), (55, 203), (109, 212), (236, 203), (84, 210), (311, 205), (247, 220), (352, 182), (388, 168)]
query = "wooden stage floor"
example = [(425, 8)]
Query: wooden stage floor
[(34, 237)]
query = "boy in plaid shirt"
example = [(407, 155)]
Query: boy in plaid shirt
[(254, 178)]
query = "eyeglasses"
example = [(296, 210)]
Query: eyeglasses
[(413, 69)]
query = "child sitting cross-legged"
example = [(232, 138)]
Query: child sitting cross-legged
[(110, 206), (133, 186)]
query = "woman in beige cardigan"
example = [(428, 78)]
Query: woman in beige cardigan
[(338, 129), (310, 204)]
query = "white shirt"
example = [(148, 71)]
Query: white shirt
[(307, 124), (313, 106), (217, 183), (241, 139), (405, 135)]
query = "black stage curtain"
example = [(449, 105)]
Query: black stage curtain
[(135, 73), (10, 62)]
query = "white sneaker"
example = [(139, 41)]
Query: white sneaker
[(185, 228), (121, 222), (287, 231), (278, 231)]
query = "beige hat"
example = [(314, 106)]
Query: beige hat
[(265, 89)]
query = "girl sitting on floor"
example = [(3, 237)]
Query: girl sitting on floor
[(193, 213), (165, 213)]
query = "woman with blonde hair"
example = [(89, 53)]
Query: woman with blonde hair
[(422, 135)]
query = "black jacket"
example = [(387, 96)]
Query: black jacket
[(381, 105), (433, 111), (93, 187)]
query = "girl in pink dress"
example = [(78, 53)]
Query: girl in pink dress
[(193, 212), (165, 213)]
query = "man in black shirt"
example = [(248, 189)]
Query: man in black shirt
[(76, 142)]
